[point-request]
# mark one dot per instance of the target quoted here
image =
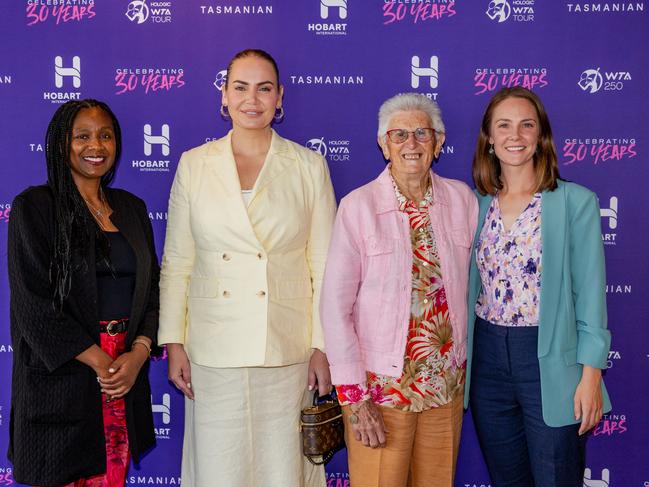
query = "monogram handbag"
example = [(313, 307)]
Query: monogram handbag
[(322, 429)]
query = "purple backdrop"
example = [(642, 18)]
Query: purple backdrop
[(159, 65)]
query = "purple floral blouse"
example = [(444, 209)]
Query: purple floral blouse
[(509, 263)]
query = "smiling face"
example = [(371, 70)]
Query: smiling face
[(411, 159), (251, 93), (92, 146), (514, 131)]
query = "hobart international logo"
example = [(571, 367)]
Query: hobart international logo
[(418, 71), (609, 217), (159, 140), (67, 73), (590, 480), (502, 10), (333, 13)]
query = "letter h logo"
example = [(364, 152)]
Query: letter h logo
[(164, 408), (610, 213), (74, 71), (325, 5), (432, 72), (150, 140)]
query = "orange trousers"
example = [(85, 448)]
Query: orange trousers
[(421, 449)]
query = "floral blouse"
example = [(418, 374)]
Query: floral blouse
[(509, 263), (430, 377)]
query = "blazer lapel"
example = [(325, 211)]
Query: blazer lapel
[(553, 235), (475, 283), (278, 159)]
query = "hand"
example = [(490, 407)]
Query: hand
[(179, 370), (370, 428), (588, 399), (319, 375), (123, 373)]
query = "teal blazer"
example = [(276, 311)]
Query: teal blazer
[(572, 314)]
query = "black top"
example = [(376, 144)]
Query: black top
[(115, 279)]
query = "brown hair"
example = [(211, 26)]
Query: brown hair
[(252, 52), (486, 167)]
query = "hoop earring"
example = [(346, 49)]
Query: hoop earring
[(225, 114), (491, 150), (279, 116)]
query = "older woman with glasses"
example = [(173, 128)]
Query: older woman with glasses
[(394, 306)]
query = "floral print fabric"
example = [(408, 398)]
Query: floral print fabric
[(430, 377), (114, 412), (509, 263)]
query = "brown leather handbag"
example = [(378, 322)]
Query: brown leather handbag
[(323, 433)]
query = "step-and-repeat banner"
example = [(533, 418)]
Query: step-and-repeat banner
[(160, 65)]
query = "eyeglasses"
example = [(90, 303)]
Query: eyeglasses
[(399, 136)]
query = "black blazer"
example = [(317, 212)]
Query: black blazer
[(56, 424)]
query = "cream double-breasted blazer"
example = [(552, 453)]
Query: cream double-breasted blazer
[(240, 286)]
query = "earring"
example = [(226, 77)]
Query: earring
[(279, 116), (224, 112), (491, 150)]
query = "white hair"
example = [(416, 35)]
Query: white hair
[(406, 102)]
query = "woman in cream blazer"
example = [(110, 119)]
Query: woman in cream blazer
[(250, 217)]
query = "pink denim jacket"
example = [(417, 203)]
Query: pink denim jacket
[(366, 293)]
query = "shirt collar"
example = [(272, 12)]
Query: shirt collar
[(405, 202)]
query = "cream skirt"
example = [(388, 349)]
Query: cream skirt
[(242, 429)]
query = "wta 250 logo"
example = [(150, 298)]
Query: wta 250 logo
[(593, 80)]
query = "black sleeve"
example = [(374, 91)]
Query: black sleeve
[(54, 337)]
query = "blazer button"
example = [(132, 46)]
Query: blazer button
[(226, 294), (260, 256), (226, 257), (261, 294)]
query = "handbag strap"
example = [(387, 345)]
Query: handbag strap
[(325, 458)]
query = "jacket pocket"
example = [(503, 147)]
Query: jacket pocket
[(56, 398), (201, 287)]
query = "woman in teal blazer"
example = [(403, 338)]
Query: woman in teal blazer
[(538, 339)]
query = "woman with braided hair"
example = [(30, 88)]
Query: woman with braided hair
[(83, 276)]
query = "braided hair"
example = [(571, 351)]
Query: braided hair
[(73, 222)]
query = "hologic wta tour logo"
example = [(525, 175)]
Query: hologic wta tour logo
[(597, 150), (334, 150), (517, 10), (220, 79), (333, 16), (157, 12), (417, 11), (159, 140), (487, 80), (65, 75), (593, 80), (148, 80), (59, 11)]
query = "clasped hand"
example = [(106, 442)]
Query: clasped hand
[(121, 374)]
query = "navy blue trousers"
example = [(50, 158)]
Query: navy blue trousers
[(519, 448)]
